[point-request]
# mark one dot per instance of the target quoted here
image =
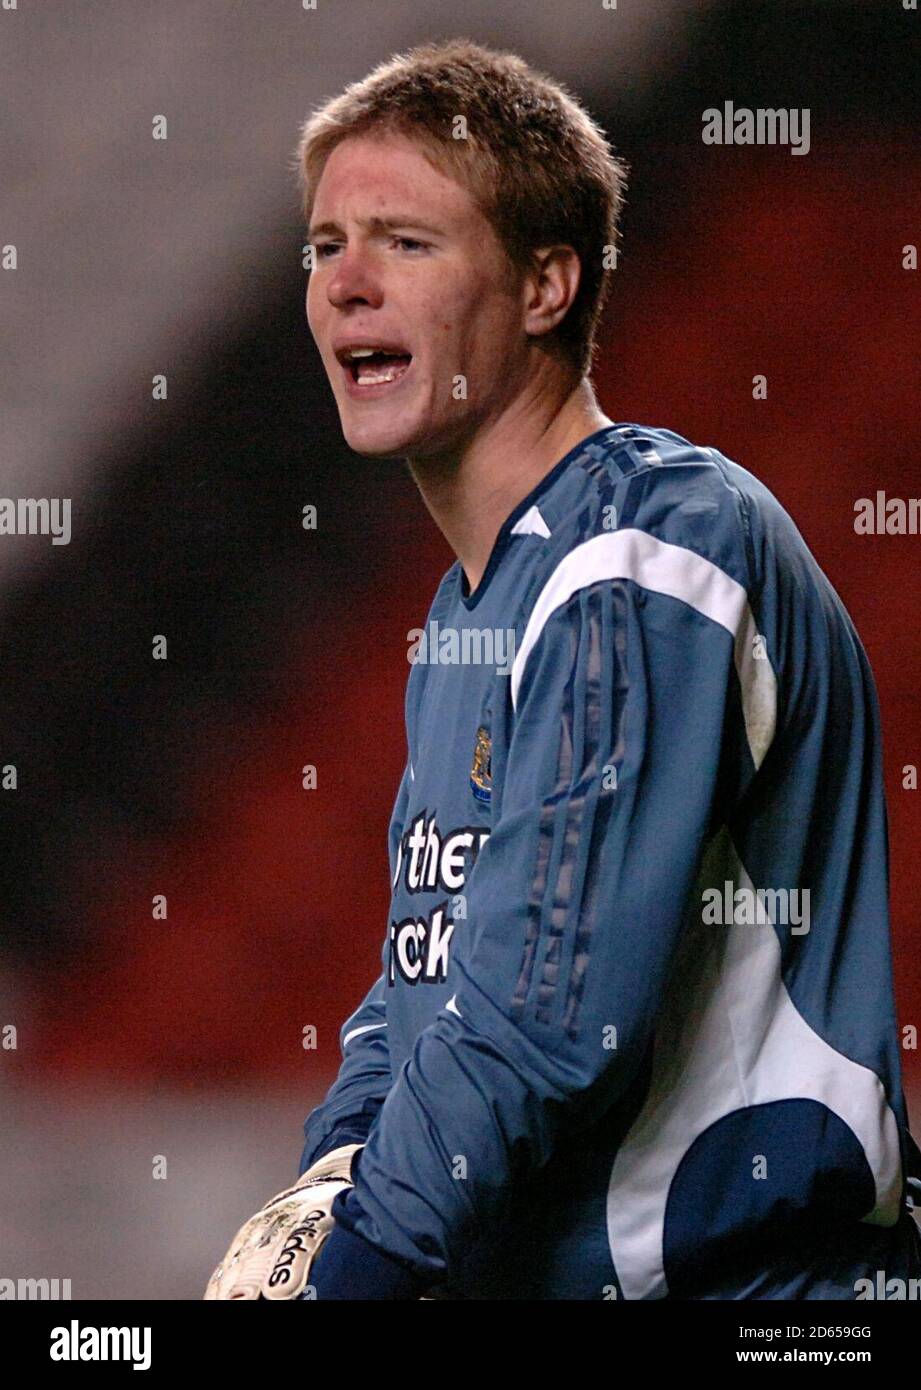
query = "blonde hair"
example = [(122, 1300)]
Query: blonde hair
[(534, 161)]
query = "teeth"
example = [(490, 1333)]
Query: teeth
[(354, 353), (388, 374)]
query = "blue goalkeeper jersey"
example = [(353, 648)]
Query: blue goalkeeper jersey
[(634, 1034)]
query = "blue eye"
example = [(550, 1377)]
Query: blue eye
[(325, 249)]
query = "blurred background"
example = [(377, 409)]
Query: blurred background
[(139, 1037)]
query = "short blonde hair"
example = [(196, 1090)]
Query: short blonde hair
[(536, 164)]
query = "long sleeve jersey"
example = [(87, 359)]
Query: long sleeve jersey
[(634, 1034)]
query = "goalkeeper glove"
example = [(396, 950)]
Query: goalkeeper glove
[(272, 1254)]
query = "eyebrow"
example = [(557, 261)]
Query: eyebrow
[(377, 224)]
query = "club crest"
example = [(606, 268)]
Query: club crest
[(481, 771)]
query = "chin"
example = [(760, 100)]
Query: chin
[(377, 439)]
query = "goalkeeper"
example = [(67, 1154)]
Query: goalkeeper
[(634, 1033)]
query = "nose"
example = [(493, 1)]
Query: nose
[(354, 280)]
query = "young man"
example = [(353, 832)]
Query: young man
[(634, 1034)]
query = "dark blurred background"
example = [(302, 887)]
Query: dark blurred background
[(182, 1037)]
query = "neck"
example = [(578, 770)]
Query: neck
[(472, 490)]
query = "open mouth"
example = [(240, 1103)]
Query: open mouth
[(369, 367)]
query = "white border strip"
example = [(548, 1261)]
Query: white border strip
[(682, 574), (365, 1028)]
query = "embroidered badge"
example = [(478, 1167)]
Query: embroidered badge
[(481, 771)]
